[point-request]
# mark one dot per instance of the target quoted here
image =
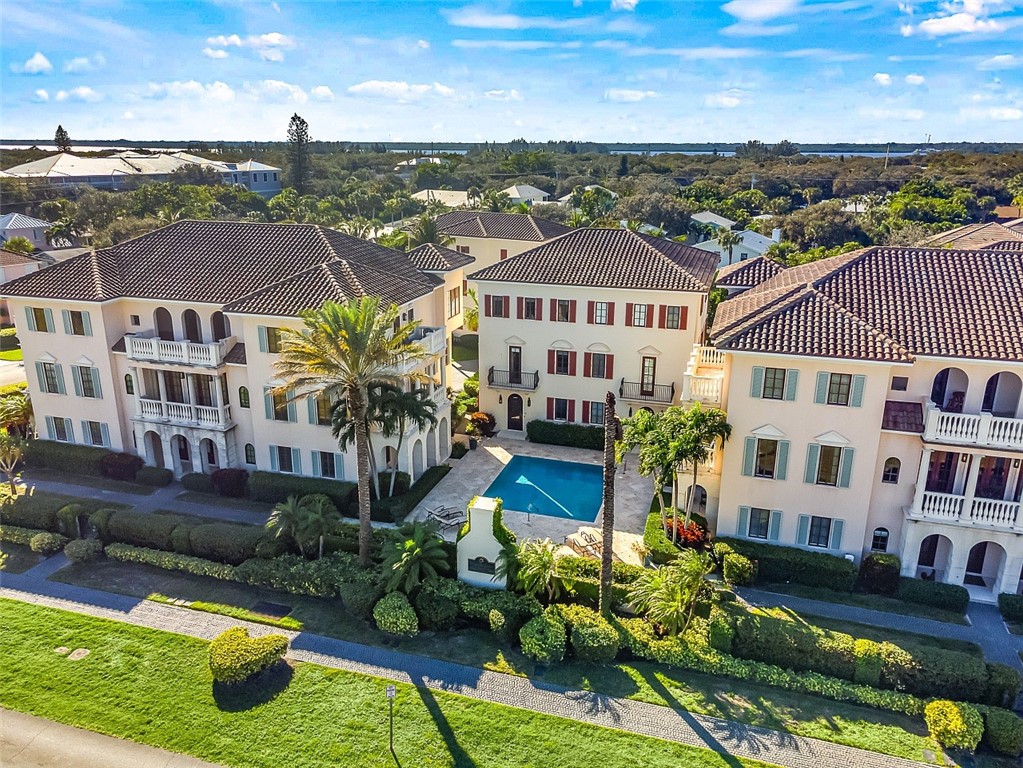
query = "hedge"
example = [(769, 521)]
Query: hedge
[(46, 543), (197, 482), (39, 509), (1003, 732), (67, 457), (230, 481), (436, 611), (394, 509), (1003, 685), (83, 550), (235, 657), (949, 597), (226, 542), (593, 638), (738, 570), (543, 637), (120, 466), (572, 435), (170, 561), (777, 564), (1011, 606), (582, 574), (656, 540), (394, 615), (67, 520), (326, 577), (157, 477), (359, 598), (954, 725), (14, 534), (879, 573), (274, 487), (143, 529)]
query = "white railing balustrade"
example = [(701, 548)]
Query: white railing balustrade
[(942, 505), (1002, 514), (181, 352), (706, 389), (973, 429), (184, 414), (710, 357), (958, 510)]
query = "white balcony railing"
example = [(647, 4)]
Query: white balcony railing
[(1000, 514), (704, 389), (184, 414), (709, 357), (180, 352), (958, 510), (944, 506), (432, 340), (968, 429)]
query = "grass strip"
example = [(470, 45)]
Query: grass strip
[(286, 622)]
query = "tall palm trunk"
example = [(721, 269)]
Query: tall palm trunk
[(397, 455), (608, 523), (362, 455), (674, 505), (692, 493)]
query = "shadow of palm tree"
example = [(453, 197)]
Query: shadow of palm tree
[(254, 692), (597, 704), (459, 756)]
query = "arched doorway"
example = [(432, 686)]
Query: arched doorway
[(934, 558), (417, 460), (515, 412), (208, 454), (445, 438), (221, 326), (182, 454), (431, 448), (1002, 395), (701, 502), (948, 391), (164, 324), (153, 446), (390, 457), (984, 565), (192, 325)]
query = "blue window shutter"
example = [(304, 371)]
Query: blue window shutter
[(774, 530), (296, 461), (65, 315), (781, 471), (85, 432), (749, 456), (95, 383), (803, 530), (316, 463), (742, 526), (87, 323), (845, 470), (268, 401), (76, 377), (856, 396), (30, 318), (791, 383), (49, 321), (106, 434), (292, 407), (756, 387), (273, 458), (42, 377), (813, 452), (820, 395), (262, 338), (60, 379), (70, 430), (836, 534), (311, 407), (339, 466), (51, 433)]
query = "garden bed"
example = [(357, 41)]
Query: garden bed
[(19, 557)]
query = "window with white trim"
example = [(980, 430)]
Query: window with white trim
[(828, 464), (77, 322), (561, 358), (529, 309), (820, 532), (839, 388), (328, 465), (767, 458), (673, 317), (600, 313), (639, 315), (560, 409), (597, 412), (50, 381), (284, 463), (563, 309), (890, 473), (60, 430), (774, 384), (94, 433), (40, 320), (598, 365), (879, 540)]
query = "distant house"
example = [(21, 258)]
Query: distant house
[(492, 237), (452, 198), (978, 236), (567, 199), (713, 220), (743, 275), (753, 244), (526, 193), (407, 167), (19, 225), (13, 265)]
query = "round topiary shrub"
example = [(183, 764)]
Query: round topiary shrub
[(954, 725), (179, 537), (1003, 732), (543, 637), (879, 573), (100, 520), (394, 615), (597, 642), (230, 481), (436, 611), (198, 482), (47, 543), (83, 550), (158, 477), (359, 598), (867, 662), (737, 569), (235, 657), (120, 466)]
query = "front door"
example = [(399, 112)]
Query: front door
[(646, 386), (515, 412), (515, 369)]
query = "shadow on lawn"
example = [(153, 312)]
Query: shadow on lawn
[(458, 755), (254, 692)]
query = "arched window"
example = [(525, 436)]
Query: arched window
[(879, 541), (129, 384), (243, 397), (892, 467), (250, 453)]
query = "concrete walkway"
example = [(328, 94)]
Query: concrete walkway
[(722, 736), (32, 742)]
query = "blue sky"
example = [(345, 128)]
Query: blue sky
[(615, 70)]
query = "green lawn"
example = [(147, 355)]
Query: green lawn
[(11, 354), (19, 557), (88, 481), (206, 499), (466, 347), (155, 688), (873, 602)]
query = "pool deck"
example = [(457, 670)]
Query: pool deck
[(472, 475)]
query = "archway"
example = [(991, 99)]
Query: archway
[(1002, 395), (934, 558), (515, 412), (701, 502), (417, 461), (984, 565), (948, 391), (181, 452), (208, 455), (390, 457), (153, 446), (445, 438), (192, 325), (221, 326), (431, 448), (164, 324)]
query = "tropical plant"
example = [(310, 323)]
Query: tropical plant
[(538, 569), (63, 232), (471, 311), (415, 557), (426, 231), (611, 426), (12, 449), (638, 432), (286, 520), (20, 245), (494, 200), (319, 519), (413, 407), (727, 240), (343, 428), (668, 595), (702, 430), (342, 352), (16, 413)]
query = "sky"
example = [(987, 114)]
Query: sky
[(600, 70)]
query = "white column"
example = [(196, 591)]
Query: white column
[(190, 384), (168, 452), (970, 491), (162, 386), (912, 535), (921, 480), (961, 546), (1009, 580)]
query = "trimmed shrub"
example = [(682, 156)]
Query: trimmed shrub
[(1011, 606), (327, 577), (179, 539), (1003, 685), (198, 482), (359, 598), (171, 561), (121, 466), (879, 573), (157, 477), (396, 508), (235, 657), (477, 604), (1003, 732), (949, 597), (777, 564), (142, 529), (954, 725), (793, 645), (100, 520), (867, 662), (458, 450), (656, 540), (738, 570), (274, 487), (572, 435), (231, 482), (67, 457), (394, 615), (436, 611), (593, 637), (14, 534), (225, 542), (83, 550), (47, 543), (67, 520), (402, 483), (543, 636), (36, 511), (720, 631)]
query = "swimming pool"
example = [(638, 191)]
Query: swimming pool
[(549, 487)]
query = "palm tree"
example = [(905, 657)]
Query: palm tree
[(376, 416), (16, 414), (538, 568), (702, 429), (425, 231), (728, 240), (343, 351), (493, 200), (471, 314), (668, 595), (638, 432), (286, 520), (611, 427), (412, 407), (416, 556), (321, 517), (12, 449), (63, 232)]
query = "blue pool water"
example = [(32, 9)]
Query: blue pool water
[(549, 487)]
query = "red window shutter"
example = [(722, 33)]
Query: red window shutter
[(587, 363), (662, 316), (649, 315), (571, 363), (507, 306), (571, 410), (589, 312), (683, 319), (539, 309), (609, 368), (487, 305), (518, 307), (504, 254), (628, 315), (550, 408), (610, 313), (554, 310), (571, 311), (551, 360), (586, 411)]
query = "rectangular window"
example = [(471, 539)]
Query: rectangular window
[(88, 383), (50, 381), (454, 301), (600, 313), (767, 458), (280, 406), (77, 319), (561, 359), (322, 411), (60, 431), (328, 467), (564, 311), (498, 307), (135, 320), (598, 365), (94, 432), (273, 340), (820, 532), (529, 309), (639, 315), (839, 388), (463, 248), (827, 466), (560, 409), (900, 383), (759, 522), (284, 463), (40, 317), (649, 376), (673, 317), (774, 384), (596, 412)]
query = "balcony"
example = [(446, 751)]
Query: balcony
[(433, 340), (708, 357), (512, 379), (638, 392), (703, 381), (184, 414), (967, 429), (959, 510), (178, 352)]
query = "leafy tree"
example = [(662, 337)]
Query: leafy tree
[(63, 232), (16, 414), (668, 595), (669, 212), (824, 224), (471, 311), (19, 245), (62, 139), (342, 352), (298, 153), (538, 569), (12, 449), (426, 231), (416, 556), (637, 433), (196, 174), (287, 520), (494, 200), (702, 429)]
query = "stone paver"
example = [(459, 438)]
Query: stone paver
[(722, 736)]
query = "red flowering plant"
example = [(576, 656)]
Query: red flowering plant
[(693, 536)]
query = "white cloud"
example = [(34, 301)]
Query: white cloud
[(507, 45), (883, 79), (628, 95), (190, 89), (747, 29), (823, 54), (269, 46), (322, 93), (915, 79), (37, 64), (504, 95), (729, 99), (214, 53), (1002, 61), (399, 90), (479, 18), (277, 91), (624, 5), (81, 93), (959, 23), (41, 96), (128, 115), (964, 17), (85, 63), (1000, 114), (901, 115), (759, 10), (225, 40), (271, 54)]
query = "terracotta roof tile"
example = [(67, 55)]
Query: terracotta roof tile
[(901, 416), (431, 257), (236, 355), (12, 259), (503, 226), (747, 274), (972, 236)]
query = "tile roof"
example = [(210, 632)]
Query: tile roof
[(972, 236), (430, 257), (21, 221), (901, 416), (236, 355), (1005, 245), (884, 303), (747, 274), (12, 259), (608, 258), (502, 226), (220, 262)]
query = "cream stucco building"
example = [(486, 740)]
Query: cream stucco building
[(492, 237)]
